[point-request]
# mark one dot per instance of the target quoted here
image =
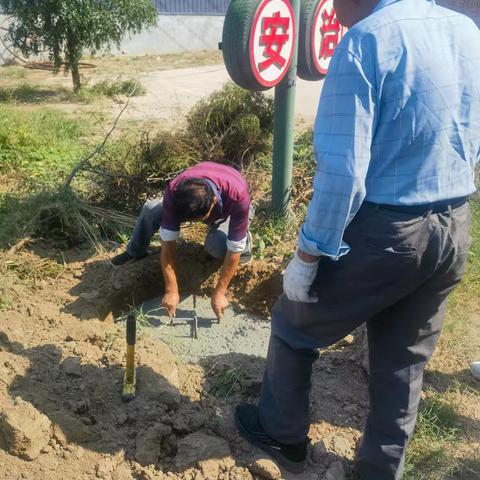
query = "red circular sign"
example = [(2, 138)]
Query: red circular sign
[(326, 35), (272, 41)]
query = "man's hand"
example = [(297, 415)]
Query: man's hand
[(219, 303), (298, 278), (170, 301), (219, 299)]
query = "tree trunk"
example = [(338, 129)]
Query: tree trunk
[(76, 77)]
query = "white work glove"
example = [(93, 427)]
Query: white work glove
[(298, 278)]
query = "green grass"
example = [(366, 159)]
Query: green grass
[(42, 145), (113, 88), (53, 215), (32, 272), (464, 300), (5, 301), (31, 93), (27, 93), (13, 72), (430, 455), (273, 234), (223, 379)]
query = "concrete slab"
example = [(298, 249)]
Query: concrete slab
[(236, 333)]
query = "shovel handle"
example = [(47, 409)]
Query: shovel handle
[(131, 330)]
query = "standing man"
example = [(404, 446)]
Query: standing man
[(387, 233), (209, 192)]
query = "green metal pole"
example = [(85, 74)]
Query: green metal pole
[(284, 122)]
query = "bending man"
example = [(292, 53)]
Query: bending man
[(209, 192)]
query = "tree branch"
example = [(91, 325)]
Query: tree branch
[(85, 163)]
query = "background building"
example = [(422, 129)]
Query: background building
[(192, 7)]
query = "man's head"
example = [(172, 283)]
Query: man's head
[(193, 200), (350, 12)]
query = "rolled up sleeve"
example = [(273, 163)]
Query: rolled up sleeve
[(238, 227), (170, 228), (343, 134)]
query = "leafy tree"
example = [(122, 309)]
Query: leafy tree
[(65, 28)]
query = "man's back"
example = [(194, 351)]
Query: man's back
[(423, 64)]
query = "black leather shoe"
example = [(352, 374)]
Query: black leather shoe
[(124, 259), (292, 457)]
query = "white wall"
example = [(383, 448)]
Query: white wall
[(173, 34)]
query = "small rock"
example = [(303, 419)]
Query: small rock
[(148, 444), (92, 295), (341, 447), (336, 471), (24, 431), (104, 469), (265, 469), (197, 447), (86, 420), (122, 419), (210, 468), (81, 406), (68, 429), (189, 419), (346, 341), (122, 472), (79, 452), (158, 374), (319, 451), (72, 366), (239, 473), (169, 446), (351, 409)]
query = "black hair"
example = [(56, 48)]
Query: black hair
[(192, 199)]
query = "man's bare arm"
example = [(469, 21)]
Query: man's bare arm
[(219, 299), (171, 299)]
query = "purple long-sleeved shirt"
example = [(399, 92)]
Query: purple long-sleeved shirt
[(234, 202)]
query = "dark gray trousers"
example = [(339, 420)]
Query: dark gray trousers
[(396, 279)]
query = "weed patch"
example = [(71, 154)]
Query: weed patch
[(430, 455), (224, 379), (41, 145), (134, 169), (232, 126), (32, 272), (58, 216), (28, 93), (113, 88)]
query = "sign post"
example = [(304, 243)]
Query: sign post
[(284, 123), (263, 41)]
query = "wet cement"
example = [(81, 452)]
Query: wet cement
[(237, 332)]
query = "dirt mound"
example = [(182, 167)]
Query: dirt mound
[(62, 366), (105, 293)]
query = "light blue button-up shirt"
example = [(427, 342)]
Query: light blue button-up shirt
[(399, 118)]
